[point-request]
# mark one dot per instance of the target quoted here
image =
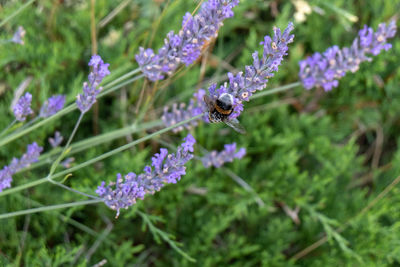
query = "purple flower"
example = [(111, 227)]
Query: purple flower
[(217, 159), (52, 106), (242, 85), (181, 112), (23, 107), (67, 162), (165, 168), (32, 154), (56, 140), (92, 89), (325, 70), (186, 46), (19, 35)]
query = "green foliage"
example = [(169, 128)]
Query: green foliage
[(327, 154)]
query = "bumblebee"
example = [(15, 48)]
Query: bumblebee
[(220, 109)]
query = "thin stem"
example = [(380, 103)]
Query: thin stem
[(48, 208), (276, 90), (8, 127), (29, 123), (95, 141), (62, 112), (107, 89), (61, 156), (66, 147), (16, 12), (98, 158)]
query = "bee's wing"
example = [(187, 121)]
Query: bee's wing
[(209, 102), (234, 123)]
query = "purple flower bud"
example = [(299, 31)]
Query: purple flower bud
[(217, 159), (186, 46), (324, 70), (32, 154), (168, 168), (56, 140), (19, 35), (181, 112), (23, 107), (52, 105), (67, 162), (92, 89)]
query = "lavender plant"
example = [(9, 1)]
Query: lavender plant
[(218, 159), (240, 86), (32, 154), (324, 70), (181, 112), (52, 106), (56, 140), (18, 36), (100, 70), (186, 46), (23, 107), (165, 169)]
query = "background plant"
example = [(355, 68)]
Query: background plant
[(315, 159)]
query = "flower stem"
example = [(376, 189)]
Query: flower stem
[(95, 141), (276, 90), (48, 208), (98, 158), (61, 156), (16, 12), (7, 128)]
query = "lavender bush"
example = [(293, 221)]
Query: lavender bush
[(325, 70), (276, 203)]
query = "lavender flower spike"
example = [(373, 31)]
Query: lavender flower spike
[(56, 140), (165, 168), (217, 159), (32, 154), (18, 36), (52, 106), (256, 76), (325, 70), (185, 47), (23, 107), (183, 112), (92, 89)]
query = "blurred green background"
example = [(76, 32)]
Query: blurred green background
[(316, 161)]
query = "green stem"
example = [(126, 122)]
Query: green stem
[(96, 159), (8, 127), (61, 156), (123, 77), (276, 90), (48, 208), (94, 141), (16, 12), (62, 112)]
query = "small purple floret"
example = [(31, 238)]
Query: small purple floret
[(23, 107), (92, 89), (217, 159), (165, 168), (32, 154), (186, 46), (56, 140), (324, 70), (52, 105), (18, 36)]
